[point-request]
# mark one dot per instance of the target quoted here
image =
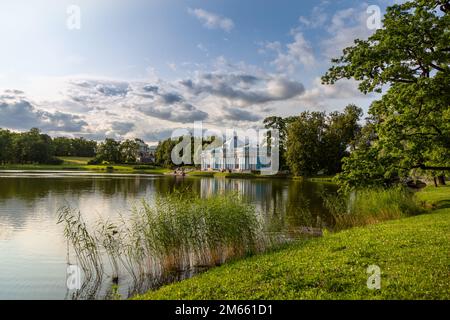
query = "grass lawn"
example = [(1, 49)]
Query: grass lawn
[(201, 173), (413, 254), (435, 197), (76, 160), (234, 175), (80, 163)]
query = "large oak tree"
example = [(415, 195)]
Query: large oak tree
[(408, 59)]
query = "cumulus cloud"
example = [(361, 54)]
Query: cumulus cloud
[(297, 53), (244, 89), (88, 94), (317, 19), (122, 128), (346, 26), (167, 104), (320, 94), (211, 20), (179, 112), (237, 114), (18, 113), (96, 108), (158, 135)]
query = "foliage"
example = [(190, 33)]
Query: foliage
[(411, 57), (112, 151), (74, 147), (129, 150), (27, 147), (280, 124), (317, 142), (164, 150), (163, 155)]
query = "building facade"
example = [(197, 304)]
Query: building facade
[(234, 155), (145, 154)]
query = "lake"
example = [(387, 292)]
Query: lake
[(33, 250)]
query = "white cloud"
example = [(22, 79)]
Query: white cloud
[(172, 66), (211, 20), (324, 96), (243, 89), (346, 26), (317, 18), (297, 53), (18, 112)]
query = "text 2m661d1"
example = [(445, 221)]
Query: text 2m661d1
[(245, 309)]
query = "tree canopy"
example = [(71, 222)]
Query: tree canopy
[(317, 142), (408, 60)]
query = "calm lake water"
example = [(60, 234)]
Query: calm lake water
[(33, 251)]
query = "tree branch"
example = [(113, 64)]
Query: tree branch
[(424, 167)]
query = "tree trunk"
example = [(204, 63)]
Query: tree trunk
[(442, 180), (435, 182)]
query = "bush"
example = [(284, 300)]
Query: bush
[(95, 161)]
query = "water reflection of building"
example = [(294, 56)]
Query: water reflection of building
[(245, 187)]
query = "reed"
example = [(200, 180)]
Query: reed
[(177, 232), (84, 244), (369, 206)]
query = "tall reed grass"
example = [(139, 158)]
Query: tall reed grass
[(177, 232), (369, 206)]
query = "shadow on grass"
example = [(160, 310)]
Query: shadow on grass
[(444, 204)]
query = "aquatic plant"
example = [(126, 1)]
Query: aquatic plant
[(84, 244), (369, 206), (177, 233)]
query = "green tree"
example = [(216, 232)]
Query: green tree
[(63, 146), (163, 153), (81, 147), (129, 150), (304, 143), (280, 124), (33, 147), (410, 57), (75, 147), (317, 142), (109, 151), (6, 146), (340, 137)]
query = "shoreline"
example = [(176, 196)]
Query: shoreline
[(131, 170), (410, 252)]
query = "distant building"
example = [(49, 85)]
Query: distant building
[(234, 155), (146, 154)]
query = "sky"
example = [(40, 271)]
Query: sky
[(135, 68)]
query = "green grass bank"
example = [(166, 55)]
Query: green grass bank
[(413, 254), (80, 164)]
